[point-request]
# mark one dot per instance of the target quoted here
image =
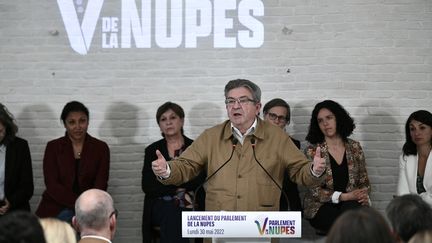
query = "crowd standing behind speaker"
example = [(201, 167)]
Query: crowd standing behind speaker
[(346, 183), (72, 164)]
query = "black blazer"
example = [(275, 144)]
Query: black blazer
[(18, 175), (296, 142), (154, 189), (291, 190)]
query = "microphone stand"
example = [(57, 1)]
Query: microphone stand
[(234, 143), (280, 188)]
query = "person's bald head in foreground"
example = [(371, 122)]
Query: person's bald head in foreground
[(95, 214)]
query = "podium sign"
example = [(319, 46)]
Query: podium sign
[(246, 224)]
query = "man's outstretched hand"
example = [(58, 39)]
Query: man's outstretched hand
[(159, 166)]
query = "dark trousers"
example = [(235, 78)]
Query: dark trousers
[(329, 212), (66, 215), (291, 190), (167, 216)]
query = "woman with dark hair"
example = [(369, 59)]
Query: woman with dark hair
[(361, 225), (346, 184), (16, 174), (415, 163), (163, 204), (72, 164)]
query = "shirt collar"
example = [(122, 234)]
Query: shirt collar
[(239, 136), (2, 148), (96, 237)]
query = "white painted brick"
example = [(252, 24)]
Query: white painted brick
[(374, 57)]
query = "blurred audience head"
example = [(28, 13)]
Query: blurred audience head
[(21, 227), (424, 236), (95, 214), (409, 214), (360, 225), (57, 231)]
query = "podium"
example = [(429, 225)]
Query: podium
[(241, 226)]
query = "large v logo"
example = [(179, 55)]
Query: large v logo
[(261, 230), (80, 36)]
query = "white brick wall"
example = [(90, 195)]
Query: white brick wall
[(374, 57)]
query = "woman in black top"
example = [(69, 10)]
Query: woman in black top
[(163, 204), (346, 184), (16, 174)]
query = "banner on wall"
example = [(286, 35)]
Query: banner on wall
[(164, 23)]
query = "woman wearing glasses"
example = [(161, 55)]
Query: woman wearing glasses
[(16, 175), (278, 112), (163, 204), (72, 164), (346, 184)]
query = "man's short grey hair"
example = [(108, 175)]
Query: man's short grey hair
[(97, 215), (238, 83), (409, 214)]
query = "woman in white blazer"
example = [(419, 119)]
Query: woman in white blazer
[(415, 163)]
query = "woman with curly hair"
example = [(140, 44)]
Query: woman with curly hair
[(346, 184)]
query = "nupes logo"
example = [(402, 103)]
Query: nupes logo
[(165, 23), (276, 226), (262, 229)]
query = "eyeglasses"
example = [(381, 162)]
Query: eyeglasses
[(241, 101), (273, 117), (115, 212)]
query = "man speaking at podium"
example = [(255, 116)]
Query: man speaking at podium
[(245, 157)]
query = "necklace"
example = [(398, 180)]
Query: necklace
[(77, 148)]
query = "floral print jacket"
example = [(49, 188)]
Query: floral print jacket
[(317, 195)]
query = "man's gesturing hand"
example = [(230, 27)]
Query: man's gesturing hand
[(318, 165), (160, 166)]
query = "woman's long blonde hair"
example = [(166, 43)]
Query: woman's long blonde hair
[(57, 231)]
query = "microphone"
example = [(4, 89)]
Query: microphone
[(234, 143), (280, 188)]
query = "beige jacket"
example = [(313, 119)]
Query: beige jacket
[(242, 185)]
